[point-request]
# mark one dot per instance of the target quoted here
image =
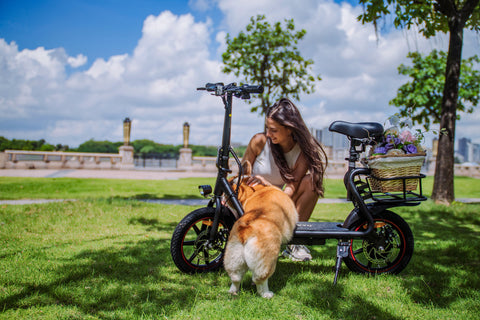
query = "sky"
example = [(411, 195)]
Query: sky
[(72, 70)]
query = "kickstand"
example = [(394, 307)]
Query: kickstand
[(342, 252)]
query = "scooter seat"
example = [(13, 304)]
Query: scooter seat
[(358, 130)]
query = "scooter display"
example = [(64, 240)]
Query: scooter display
[(372, 239)]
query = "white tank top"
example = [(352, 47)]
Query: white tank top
[(266, 167)]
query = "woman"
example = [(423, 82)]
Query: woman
[(288, 156)]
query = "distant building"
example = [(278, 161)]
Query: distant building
[(476, 153), (464, 146), (336, 144)]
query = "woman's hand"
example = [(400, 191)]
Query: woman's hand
[(254, 180)]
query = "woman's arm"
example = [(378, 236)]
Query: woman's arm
[(299, 171), (254, 148)]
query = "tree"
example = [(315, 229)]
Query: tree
[(140, 144), (20, 144), (99, 146), (433, 16), (421, 99), (267, 54)]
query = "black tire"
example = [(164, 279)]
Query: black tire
[(188, 245), (388, 250)]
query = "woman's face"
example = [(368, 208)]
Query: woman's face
[(277, 133)]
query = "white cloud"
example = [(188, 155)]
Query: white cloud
[(114, 68), (77, 61), (155, 85)]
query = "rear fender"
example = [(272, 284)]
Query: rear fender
[(351, 218)]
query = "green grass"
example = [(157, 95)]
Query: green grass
[(106, 256), (13, 188), (75, 188)]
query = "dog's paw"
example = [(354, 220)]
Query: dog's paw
[(233, 290), (267, 295)]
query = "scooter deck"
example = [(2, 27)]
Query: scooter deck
[(316, 232)]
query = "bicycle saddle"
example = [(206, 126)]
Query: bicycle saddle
[(358, 130)]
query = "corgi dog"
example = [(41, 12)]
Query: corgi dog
[(255, 239)]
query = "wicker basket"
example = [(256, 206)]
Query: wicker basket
[(386, 167)]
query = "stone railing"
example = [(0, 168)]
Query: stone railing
[(467, 170), (200, 163), (19, 159)]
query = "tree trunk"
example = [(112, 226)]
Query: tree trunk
[(443, 191)]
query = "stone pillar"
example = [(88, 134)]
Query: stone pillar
[(127, 157), (185, 161), (3, 160), (126, 151)]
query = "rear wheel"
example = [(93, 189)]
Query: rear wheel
[(190, 248), (387, 250)]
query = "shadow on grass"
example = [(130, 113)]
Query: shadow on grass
[(137, 276), (445, 261), (334, 300), (153, 224)]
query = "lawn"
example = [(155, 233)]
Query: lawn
[(106, 256)]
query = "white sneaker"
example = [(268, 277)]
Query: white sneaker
[(297, 252)]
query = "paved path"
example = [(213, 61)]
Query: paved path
[(106, 174)]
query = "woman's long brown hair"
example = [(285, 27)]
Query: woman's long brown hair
[(285, 113)]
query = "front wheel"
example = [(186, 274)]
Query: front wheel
[(387, 250), (190, 247)]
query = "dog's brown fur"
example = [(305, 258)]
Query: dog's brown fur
[(254, 243)]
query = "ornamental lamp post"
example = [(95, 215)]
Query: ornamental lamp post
[(186, 133), (185, 158), (127, 126)]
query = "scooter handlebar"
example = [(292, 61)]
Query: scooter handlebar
[(220, 89)]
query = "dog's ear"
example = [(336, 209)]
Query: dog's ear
[(247, 168)]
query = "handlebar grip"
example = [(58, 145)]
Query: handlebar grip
[(213, 86), (252, 89)]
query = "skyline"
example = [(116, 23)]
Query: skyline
[(72, 71)]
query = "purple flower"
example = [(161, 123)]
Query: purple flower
[(381, 150), (389, 146), (391, 139), (410, 148)]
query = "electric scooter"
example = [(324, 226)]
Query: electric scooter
[(372, 239)]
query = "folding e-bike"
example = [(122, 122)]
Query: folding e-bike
[(372, 239)]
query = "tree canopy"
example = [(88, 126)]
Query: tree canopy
[(421, 99), (431, 16), (268, 55), (31, 145)]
